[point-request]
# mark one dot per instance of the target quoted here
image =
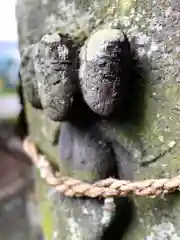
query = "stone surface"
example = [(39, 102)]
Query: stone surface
[(55, 66), (105, 70), (150, 134), (29, 78)]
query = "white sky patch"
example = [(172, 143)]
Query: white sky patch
[(8, 25)]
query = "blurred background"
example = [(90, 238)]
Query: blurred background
[(9, 60), (19, 219)]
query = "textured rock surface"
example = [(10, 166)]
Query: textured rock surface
[(29, 77), (105, 70), (151, 134), (54, 61)]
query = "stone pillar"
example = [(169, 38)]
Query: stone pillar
[(145, 143)]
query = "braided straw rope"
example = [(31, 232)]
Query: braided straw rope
[(104, 188)]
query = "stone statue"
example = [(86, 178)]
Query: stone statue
[(82, 98), (83, 103), (103, 100)]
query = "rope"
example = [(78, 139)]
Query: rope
[(106, 188)]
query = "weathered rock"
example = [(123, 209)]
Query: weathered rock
[(151, 134), (55, 62), (105, 70), (29, 79), (84, 148)]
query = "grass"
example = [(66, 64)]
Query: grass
[(5, 90)]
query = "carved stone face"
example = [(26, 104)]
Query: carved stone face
[(56, 75), (104, 70), (29, 77)]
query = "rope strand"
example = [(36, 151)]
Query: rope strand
[(106, 188)]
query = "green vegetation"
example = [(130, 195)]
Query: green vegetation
[(5, 89)]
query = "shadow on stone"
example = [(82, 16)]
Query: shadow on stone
[(121, 221), (21, 128), (132, 108)]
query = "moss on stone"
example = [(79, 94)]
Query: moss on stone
[(45, 208), (43, 132)]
